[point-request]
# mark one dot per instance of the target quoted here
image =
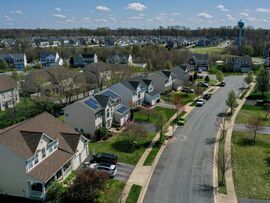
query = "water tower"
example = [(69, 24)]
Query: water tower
[(241, 25)]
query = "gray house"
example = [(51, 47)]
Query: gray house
[(17, 61), (180, 77), (162, 81), (83, 59), (200, 61), (241, 64), (120, 59)]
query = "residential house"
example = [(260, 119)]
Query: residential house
[(9, 94), (120, 59), (241, 64), (200, 61), (101, 110), (35, 153), (267, 57), (187, 68), (180, 77), (162, 81), (49, 59), (83, 59), (17, 61)]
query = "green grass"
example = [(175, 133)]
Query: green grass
[(61, 118), (112, 192), (251, 166), (221, 189), (244, 94), (208, 50), (257, 95), (134, 194), (231, 74), (70, 177), (186, 97), (250, 111), (153, 153), (118, 145), (142, 116)]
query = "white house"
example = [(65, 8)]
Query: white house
[(9, 95), (35, 153), (48, 59)]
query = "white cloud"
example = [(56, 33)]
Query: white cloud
[(58, 9), (136, 7), (263, 10), (136, 17), (103, 8), (244, 14), (222, 8), (230, 17), (59, 16), (204, 15), (163, 19), (175, 14), (8, 19), (16, 12)]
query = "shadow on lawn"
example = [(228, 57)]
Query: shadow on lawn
[(124, 146), (267, 161)]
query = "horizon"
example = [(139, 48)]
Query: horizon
[(143, 14)]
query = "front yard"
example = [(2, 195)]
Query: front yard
[(112, 192), (250, 111), (118, 145), (141, 115), (251, 165), (186, 97)]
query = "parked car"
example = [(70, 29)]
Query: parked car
[(207, 96), (222, 84), (181, 121), (203, 84), (104, 158), (262, 102), (187, 90), (111, 169), (200, 102)]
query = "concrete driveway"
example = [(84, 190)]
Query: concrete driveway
[(123, 171), (184, 173)]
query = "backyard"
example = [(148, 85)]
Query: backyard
[(251, 165), (118, 145), (208, 50)]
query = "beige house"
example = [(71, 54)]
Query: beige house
[(9, 94), (36, 152)]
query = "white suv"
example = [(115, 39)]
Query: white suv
[(106, 167)]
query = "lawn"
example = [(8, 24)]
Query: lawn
[(257, 95), (250, 111), (112, 192), (210, 83), (153, 153), (61, 118), (251, 166), (134, 194), (208, 50), (186, 97), (142, 116), (118, 145)]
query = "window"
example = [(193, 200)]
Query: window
[(36, 187), (108, 113), (43, 151)]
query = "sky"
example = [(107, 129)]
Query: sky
[(132, 14)]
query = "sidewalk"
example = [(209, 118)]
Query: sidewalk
[(141, 174), (231, 194)]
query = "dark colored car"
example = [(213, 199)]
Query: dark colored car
[(203, 84), (207, 96), (222, 84), (104, 158)]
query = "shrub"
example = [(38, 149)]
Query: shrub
[(55, 191), (101, 133)]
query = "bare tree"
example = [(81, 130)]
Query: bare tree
[(148, 112), (266, 109), (254, 125), (223, 163), (177, 101), (160, 122), (198, 90), (221, 123)]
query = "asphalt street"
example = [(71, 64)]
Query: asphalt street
[(184, 173)]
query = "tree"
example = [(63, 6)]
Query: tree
[(55, 192), (132, 133), (160, 122), (87, 186), (231, 100), (149, 67), (249, 78), (168, 65), (3, 64), (247, 50), (100, 133), (223, 164), (221, 123), (263, 81), (177, 101), (148, 112), (198, 90), (254, 125), (220, 76), (266, 109), (207, 79)]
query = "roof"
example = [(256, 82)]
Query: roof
[(7, 83), (122, 109), (153, 93), (46, 54), (23, 138), (166, 73), (132, 85), (180, 74), (88, 55), (92, 103), (187, 67), (110, 93), (15, 56), (102, 100), (142, 79), (200, 56)]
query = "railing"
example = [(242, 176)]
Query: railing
[(67, 172)]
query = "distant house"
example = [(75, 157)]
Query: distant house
[(200, 61), (101, 110), (43, 43), (162, 81), (180, 77), (83, 59), (267, 57), (120, 59), (9, 94), (187, 68), (17, 61), (48, 59), (238, 64), (98, 72), (36, 152)]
